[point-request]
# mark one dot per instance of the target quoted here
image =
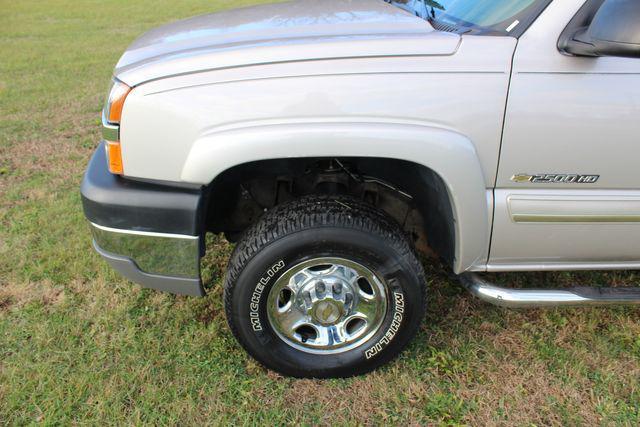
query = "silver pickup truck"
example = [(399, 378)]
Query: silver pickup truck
[(334, 140)]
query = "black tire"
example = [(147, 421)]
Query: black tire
[(309, 228)]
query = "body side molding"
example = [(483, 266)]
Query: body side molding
[(574, 207)]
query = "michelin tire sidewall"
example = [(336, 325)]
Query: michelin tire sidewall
[(249, 301)]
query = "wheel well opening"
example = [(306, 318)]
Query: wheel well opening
[(414, 195)]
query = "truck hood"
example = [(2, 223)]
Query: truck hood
[(298, 30)]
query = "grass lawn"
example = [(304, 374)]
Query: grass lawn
[(78, 344)]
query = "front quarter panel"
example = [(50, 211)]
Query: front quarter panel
[(442, 111)]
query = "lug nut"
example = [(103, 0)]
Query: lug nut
[(320, 287), (337, 288)]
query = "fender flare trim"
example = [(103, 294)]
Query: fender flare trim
[(449, 154)]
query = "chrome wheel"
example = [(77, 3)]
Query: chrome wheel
[(327, 305)]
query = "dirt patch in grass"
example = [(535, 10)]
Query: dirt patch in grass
[(5, 301), (16, 295), (52, 145), (360, 400), (523, 394), (57, 153), (212, 310)]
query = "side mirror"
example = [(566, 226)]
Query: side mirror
[(613, 31)]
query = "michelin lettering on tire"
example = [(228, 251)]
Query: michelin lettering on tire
[(398, 315), (254, 306)]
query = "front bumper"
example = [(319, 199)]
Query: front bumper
[(151, 233)]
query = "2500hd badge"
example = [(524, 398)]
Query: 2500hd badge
[(556, 178)]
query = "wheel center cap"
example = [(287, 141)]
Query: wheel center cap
[(327, 312)]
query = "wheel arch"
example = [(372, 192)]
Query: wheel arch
[(437, 155)]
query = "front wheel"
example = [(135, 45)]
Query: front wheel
[(324, 287)]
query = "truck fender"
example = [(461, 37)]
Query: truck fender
[(449, 154)]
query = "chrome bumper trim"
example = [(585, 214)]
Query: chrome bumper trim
[(110, 132), (129, 269), (529, 298), (170, 255), (143, 233)]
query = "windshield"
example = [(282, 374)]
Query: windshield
[(488, 15)]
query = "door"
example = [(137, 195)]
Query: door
[(568, 188)]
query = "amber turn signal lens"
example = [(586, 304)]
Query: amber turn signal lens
[(114, 157), (118, 94)]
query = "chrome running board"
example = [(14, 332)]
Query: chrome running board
[(529, 298)]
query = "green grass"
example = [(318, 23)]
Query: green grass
[(78, 344)]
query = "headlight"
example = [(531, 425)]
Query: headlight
[(111, 115)]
